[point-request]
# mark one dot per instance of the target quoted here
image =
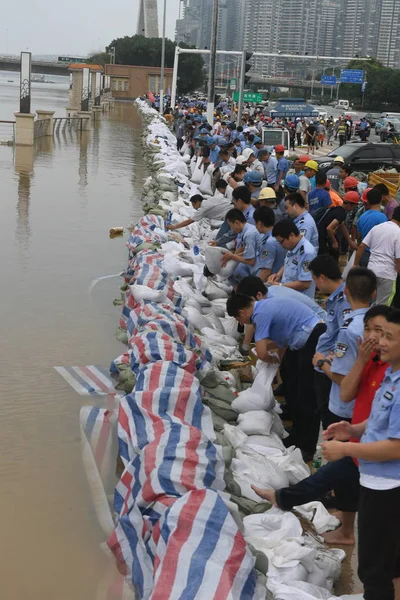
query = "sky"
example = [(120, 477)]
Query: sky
[(73, 28)]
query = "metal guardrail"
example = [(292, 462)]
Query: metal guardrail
[(64, 123), (41, 127), (7, 132)]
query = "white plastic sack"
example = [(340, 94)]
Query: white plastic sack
[(218, 311), (205, 184), (175, 267), (260, 395), (267, 530), (214, 292), (214, 336), (265, 441), (349, 266), (316, 512), (231, 327), (217, 325), (293, 464), (142, 292), (234, 435), (297, 590), (213, 256), (250, 468), (195, 318), (255, 422), (197, 172), (277, 425)]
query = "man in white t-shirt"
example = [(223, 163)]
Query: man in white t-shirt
[(384, 243)]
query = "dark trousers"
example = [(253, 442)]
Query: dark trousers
[(323, 389), (342, 476), (396, 299), (300, 393), (342, 140), (379, 542), (298, 139), (179, 143)]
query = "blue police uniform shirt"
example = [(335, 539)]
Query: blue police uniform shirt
[(384, 424), (338, 311), (250, 241), (308, 228), (248, 213), (296, 265), (271, 170), (368, 220), (346, 352), (280, 291), (286, 322), (283, 165), (214, 154), (318, 198), (270, 255)]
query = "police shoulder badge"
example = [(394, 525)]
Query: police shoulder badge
[(302, 250), (306, 264), (264, 254), (346, 312), (340, 349), (346, 323), (388, 396)]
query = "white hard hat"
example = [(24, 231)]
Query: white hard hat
[(247, 152), (240, 160)]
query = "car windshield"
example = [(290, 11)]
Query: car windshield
[(344, 151)]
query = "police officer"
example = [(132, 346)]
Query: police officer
[(253, 180), (296, 210), (246, 246), (360, 291), (293, 329), (295, 273), (270, 255), (328, 279)]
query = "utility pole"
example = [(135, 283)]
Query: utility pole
[(244, 79), (213, 55), (163, 61)]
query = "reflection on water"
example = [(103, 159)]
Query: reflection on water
[(58, 204)]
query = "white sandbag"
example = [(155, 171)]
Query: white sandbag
[(297, 590), (260, 395), (193, 302), (217, 310), (213, 256), (213, 291), (253, 469), (205, 186), (217, 325), (197, 172), (267, 530), (316, 512), (266, 441), (195, 317), (277, 425), (175, 267), (142, 292), (293, 464), (214, 336), (255, 422), (186, 291), (231, 327), (234, 435)]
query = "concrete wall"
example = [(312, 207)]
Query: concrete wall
[(134, 81)]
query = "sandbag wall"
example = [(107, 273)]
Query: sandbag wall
[(191, 440)]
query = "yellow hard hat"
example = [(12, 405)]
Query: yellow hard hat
[(267, 194), (311, 164)]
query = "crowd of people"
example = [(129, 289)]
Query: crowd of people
[(290, 229)]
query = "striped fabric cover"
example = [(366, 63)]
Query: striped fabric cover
[(152, 346)]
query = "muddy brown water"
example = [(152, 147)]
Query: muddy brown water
[(57, 206)]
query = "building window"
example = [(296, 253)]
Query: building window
[(113, 84), (126, 86), (120, 86), (154, 83)]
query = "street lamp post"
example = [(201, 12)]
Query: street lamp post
[(163, 60), (213, 55)]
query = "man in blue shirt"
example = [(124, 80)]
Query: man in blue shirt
[(270, 256), (378, 454), (360, 291), (283, 168), (373, 215), (270, 165), (214, 149), (295, 273), (247, 245), (241, 197), (319, 199), (328, 279), (296, 210), (292, 329)]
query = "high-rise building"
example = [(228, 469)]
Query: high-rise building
[(389, 34), (358, 27), (147, 24)]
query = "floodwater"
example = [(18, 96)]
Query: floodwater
[(58, 203)]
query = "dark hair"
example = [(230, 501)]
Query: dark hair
[(382, 188), (266, 215), (196, 198), (296, 198), (284, 228), (346, 168), (262, 153), (205, 152), (361, 283), (374, 197), (396, 214), (377, 311), (223, 151), (251, 286), (239, 128), (320, 178), (242, 193), (251, 137), (221, 183), (325, 265), (234, 214), (237, 302), (239, 169), (394, 317)]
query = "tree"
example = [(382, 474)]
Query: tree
[(382, 88), (146, 52)]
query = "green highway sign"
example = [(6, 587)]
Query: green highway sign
[(249, 97), (232, 83), (71, 59)]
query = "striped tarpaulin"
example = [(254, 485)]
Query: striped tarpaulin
[(88, 381)]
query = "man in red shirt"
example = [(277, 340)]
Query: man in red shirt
[(342, 476)]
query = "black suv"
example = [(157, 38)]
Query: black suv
[(363, 157)]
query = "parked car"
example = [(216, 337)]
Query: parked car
[(363, 156), (380, 123), (372, 118), (383, 131)]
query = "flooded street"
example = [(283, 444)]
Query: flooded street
[(58, 203)]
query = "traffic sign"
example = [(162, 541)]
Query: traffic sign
[(72, 59), (328, 80), (249, 97), (232, 83), (351, 76)]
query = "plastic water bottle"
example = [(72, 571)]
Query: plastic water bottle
[(317, 460)]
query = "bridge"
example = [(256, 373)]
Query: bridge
[(44, 67), (268, 82)]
